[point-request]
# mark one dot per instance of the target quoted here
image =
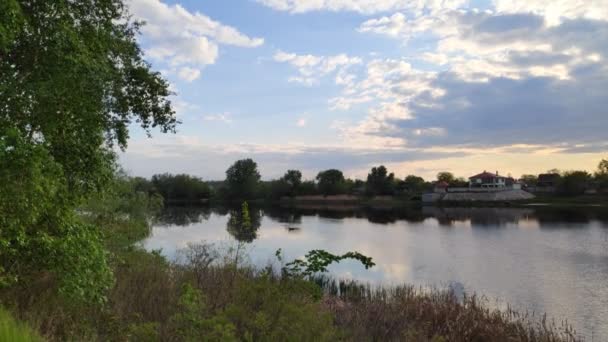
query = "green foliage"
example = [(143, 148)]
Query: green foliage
[(447, 177), (180, 188), (13, 331), (380, 182), (193, 323), (414, 184), (602, 168), (72, 80), (144, 332), (574, 183), (242, 180), (40, 231), (11, 18), (293, 178), (317, 261), (268, 310), (601, 176), (530, 180), (331, 182)]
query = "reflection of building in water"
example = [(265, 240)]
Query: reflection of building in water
[(480, 217)]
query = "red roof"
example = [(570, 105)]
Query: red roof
[(487, 175)]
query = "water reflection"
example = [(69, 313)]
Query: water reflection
[(535, 258), (244, 229), (546, 217)]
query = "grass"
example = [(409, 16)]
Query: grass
[(212, 295), (11, 330)]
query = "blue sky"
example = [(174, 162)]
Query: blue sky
[(426, 86)]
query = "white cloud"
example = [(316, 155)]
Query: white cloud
[(360, 6), (555, 11), (312, 68), (189, 74), (504, 71), (302, 122), (181, 38), (224, 117)]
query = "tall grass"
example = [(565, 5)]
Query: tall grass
[(13, 331), (408, 312)]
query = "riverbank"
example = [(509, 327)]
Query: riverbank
[(213, 294), (456, 199)]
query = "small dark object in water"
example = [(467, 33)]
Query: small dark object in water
[(293, 229)]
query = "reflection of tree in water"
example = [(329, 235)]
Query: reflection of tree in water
[(284, 215), (243, 223), (554, 217), (380, 215), (479, 217), (183, 215)]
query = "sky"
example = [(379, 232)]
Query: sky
[(515, 86)]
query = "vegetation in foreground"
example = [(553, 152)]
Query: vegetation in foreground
[(11, 330), (211, 293)]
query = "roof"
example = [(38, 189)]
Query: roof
[(442, 185), (487, 175)]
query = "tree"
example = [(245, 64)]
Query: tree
[(293, 178), (242, 179), (574, 183), (459, 182), (380, 182), (72, 81), (601, 176), (447, 177), (414, 184), (181, 188), (331, 182), (529, 180)]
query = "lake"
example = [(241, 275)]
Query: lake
[(542, 260)]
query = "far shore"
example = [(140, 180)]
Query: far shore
[(338, 201)]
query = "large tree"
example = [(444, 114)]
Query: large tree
[(293, 178), (447, 177), (242, 179), (380, 182), (72, 80), (574, 183), (331, 182)]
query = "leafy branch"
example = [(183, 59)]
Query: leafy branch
[(317, 261)]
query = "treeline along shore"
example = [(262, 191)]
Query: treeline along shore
[(243, 182)]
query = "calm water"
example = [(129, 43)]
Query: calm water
[(537, 259)]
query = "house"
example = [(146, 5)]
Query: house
[(488, 180)]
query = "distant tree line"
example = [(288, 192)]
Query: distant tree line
[(243, 182), (572, 183)]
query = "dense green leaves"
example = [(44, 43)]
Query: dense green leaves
[(180, 188), (380, 182), (242, 179), (574, 183), (72, 80), (331, 182), (447, 177)]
